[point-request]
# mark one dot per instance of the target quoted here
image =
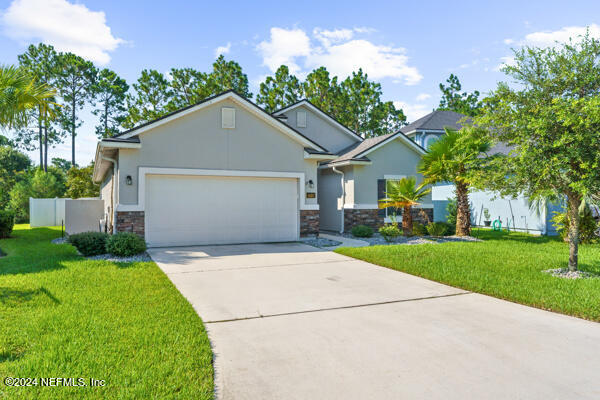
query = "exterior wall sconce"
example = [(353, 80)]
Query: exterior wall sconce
[(310, 184), (128, 180)]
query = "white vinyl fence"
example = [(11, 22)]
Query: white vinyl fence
[(46, 212)]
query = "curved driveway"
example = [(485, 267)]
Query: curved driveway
[(288, 321)]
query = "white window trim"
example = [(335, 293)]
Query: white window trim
[(350, 206), (387, 218), (145, 171)]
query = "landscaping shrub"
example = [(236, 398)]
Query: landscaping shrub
[(419, 229), (89, 243), (450, 228), (588, 226), (7, 221), (125, 244), (437, 228), (362, 231), (452, 210), (389, 232)]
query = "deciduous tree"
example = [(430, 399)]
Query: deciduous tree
[(551, 119)]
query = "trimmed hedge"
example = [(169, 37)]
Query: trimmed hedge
[(7, 222), (362, 231), (419, 229), (89, 243), (125, 244)]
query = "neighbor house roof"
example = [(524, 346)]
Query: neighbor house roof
[(321, 113), (359, 151), (435, 121)]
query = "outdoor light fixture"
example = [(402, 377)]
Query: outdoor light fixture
[(128, 180), (310, 184)]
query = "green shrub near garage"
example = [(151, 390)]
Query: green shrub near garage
[(125, 244), (89, 243)]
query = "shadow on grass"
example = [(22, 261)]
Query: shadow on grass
[(15, 297), (11, 355), (486, 234)]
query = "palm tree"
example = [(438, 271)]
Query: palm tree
[(455, 158), (404, 194), (19, 93)]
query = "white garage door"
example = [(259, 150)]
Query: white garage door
[(190, 210)]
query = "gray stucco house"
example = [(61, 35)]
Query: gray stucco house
[(226, 171)]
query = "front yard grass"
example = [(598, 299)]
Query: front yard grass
[(63, 316), (505, 265)]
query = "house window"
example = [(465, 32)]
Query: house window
[(382, 189), (301, 119), (228, 118), (429, 140)]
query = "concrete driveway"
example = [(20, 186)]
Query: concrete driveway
[(288, 321)]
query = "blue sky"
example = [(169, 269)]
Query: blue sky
[(410, 47)]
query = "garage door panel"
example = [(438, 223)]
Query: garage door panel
[(187, 210)]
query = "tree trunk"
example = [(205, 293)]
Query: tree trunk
[(574, 202), (106, 118), (463, 214), (41, 141), (406, 221), (46, 147), (73, 131)]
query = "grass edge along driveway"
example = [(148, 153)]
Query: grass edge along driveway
[(505, 265), (64, 316)]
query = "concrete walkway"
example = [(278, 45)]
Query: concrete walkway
[(346, 242), (288, 321)]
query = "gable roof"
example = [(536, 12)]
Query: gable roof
[(359, 151), (229, 94), (435, 121), (321, 113)]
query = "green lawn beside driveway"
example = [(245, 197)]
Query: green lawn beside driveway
[(505, 265), (63, 316)]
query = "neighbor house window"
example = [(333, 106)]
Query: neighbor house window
[(429, 140), (301, 119), (228, 118)]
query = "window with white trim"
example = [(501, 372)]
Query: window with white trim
[(391, 212), (301, 119), (429, 140), (227, 118)]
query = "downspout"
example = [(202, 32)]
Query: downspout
[(343, 197), (114, 192)]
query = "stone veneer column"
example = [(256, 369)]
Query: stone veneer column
[(131, 221), (369, 218), (309, 222)]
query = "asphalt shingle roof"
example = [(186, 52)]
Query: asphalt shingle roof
[(350, 152), (437, 120)]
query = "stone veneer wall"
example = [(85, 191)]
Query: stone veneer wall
[(309, 222), (369, 218), (373, 219), (131, 221)]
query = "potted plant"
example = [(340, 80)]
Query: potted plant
[(486, 214)]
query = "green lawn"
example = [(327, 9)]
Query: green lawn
[(507, 266), (62, 315)]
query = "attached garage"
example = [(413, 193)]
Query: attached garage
[(195, 210)]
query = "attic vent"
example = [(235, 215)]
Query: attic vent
[(228, 118), (301, 119)]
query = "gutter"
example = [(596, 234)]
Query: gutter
[(343, 196), (114, 192)]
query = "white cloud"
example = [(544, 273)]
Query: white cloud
[(423, 96), (508, 41), (339, 51), (223, 49), (549, 38), (508, 60), (285, 47), (413, 111), (66, 26)]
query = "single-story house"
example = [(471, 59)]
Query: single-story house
[(226, 171)]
